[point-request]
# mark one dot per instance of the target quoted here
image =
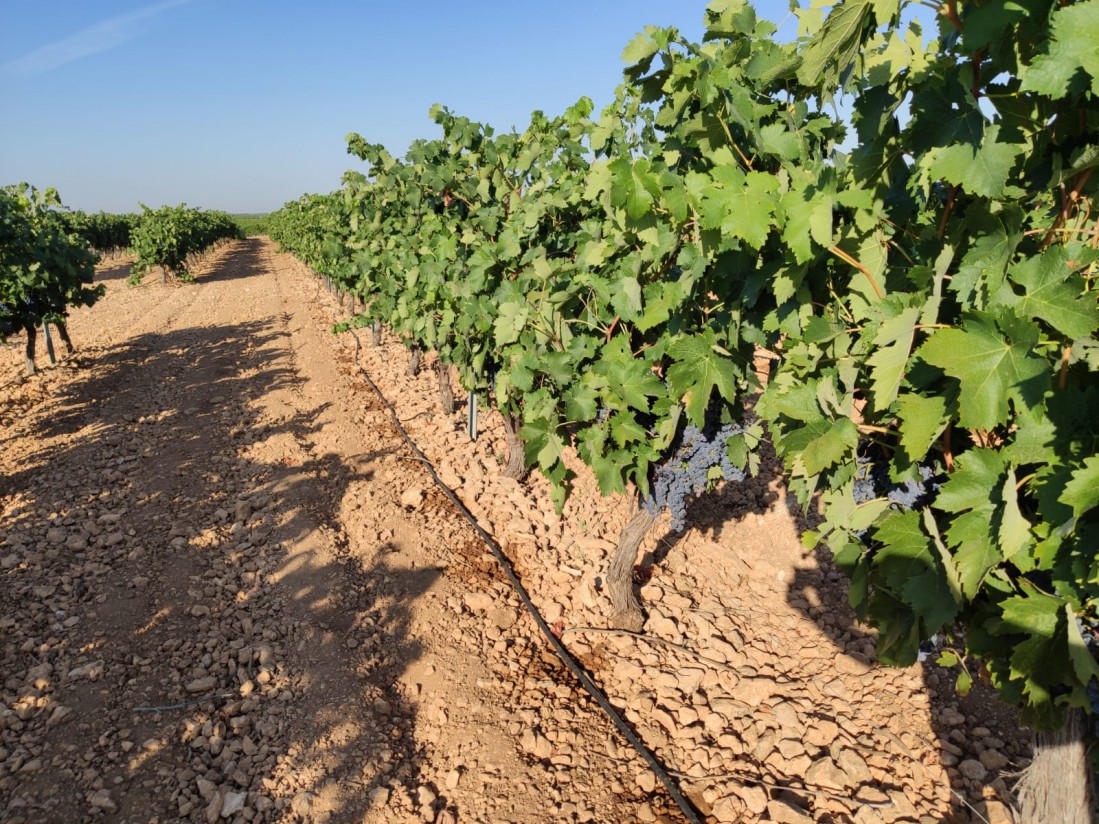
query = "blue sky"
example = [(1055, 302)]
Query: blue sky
[(242, 105)]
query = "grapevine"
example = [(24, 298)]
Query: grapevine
[(171, 236), (931, 290), (44, 269)]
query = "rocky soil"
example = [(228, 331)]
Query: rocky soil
[(231, 593)]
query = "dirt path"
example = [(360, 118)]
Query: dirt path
[(230, 593)]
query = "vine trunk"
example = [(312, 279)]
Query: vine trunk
[(1055, 787), (516, 466), (446, 392), (627, 609)]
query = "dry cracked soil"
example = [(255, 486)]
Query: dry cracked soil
[(232, 593)]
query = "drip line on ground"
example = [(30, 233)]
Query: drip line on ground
[(566, 657)]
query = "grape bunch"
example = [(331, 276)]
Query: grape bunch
[(7, 326), (687, 472), (1089, 630), (872, 481)]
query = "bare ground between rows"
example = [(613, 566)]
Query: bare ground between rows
[(220, 603)]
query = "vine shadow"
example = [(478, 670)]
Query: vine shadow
[(976, 730), (147, 428)]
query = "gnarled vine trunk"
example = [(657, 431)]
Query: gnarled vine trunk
[(376, 332), (63, 331), (415, 354), (446, 391), (516, 467), (627, 609), (1055, 787)]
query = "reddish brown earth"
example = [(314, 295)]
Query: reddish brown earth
[(230, 592)]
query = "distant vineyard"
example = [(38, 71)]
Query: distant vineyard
[(102, 232), (252, 224), (45, 268), (170, 238), (48, 254)]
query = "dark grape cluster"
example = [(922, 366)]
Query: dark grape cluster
[(7, 327), (872, 481), (1089, 630), (687, 472)]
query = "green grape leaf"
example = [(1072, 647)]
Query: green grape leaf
[(625, 429), (630, 379), (907, 566), (776, 139), (1014, 528), (581, 402), (980, 166), (640, 50), (632, 186), (887, 365), (1082, 661), (808, 218), (1053, 293), (976, 553), (740, 205), (1082, 492), (510, 322), (1075, 31), (822, 443), (697, 370), (991, 366), (974, 483), (922, 420), (837, 42)]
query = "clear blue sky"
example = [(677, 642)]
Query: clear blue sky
[(244, 104)]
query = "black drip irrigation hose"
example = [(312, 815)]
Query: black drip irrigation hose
[(574, 667)]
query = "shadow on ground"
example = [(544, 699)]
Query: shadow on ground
[(217, 573), (964, 727)]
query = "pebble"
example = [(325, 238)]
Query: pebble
[(101, 800), (973, 770), (412, 498), (302, 804), (786, 813), (994, 760), (825, 773), (379, 797), (851, 663), (754, 797), (92, 671), (232, 803), (754, 691)]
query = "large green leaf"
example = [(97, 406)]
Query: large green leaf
[(1082, 492), (697, 370), (837, 42), (993, 363), (1053, 293), (1072, 50), (980, 166)]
